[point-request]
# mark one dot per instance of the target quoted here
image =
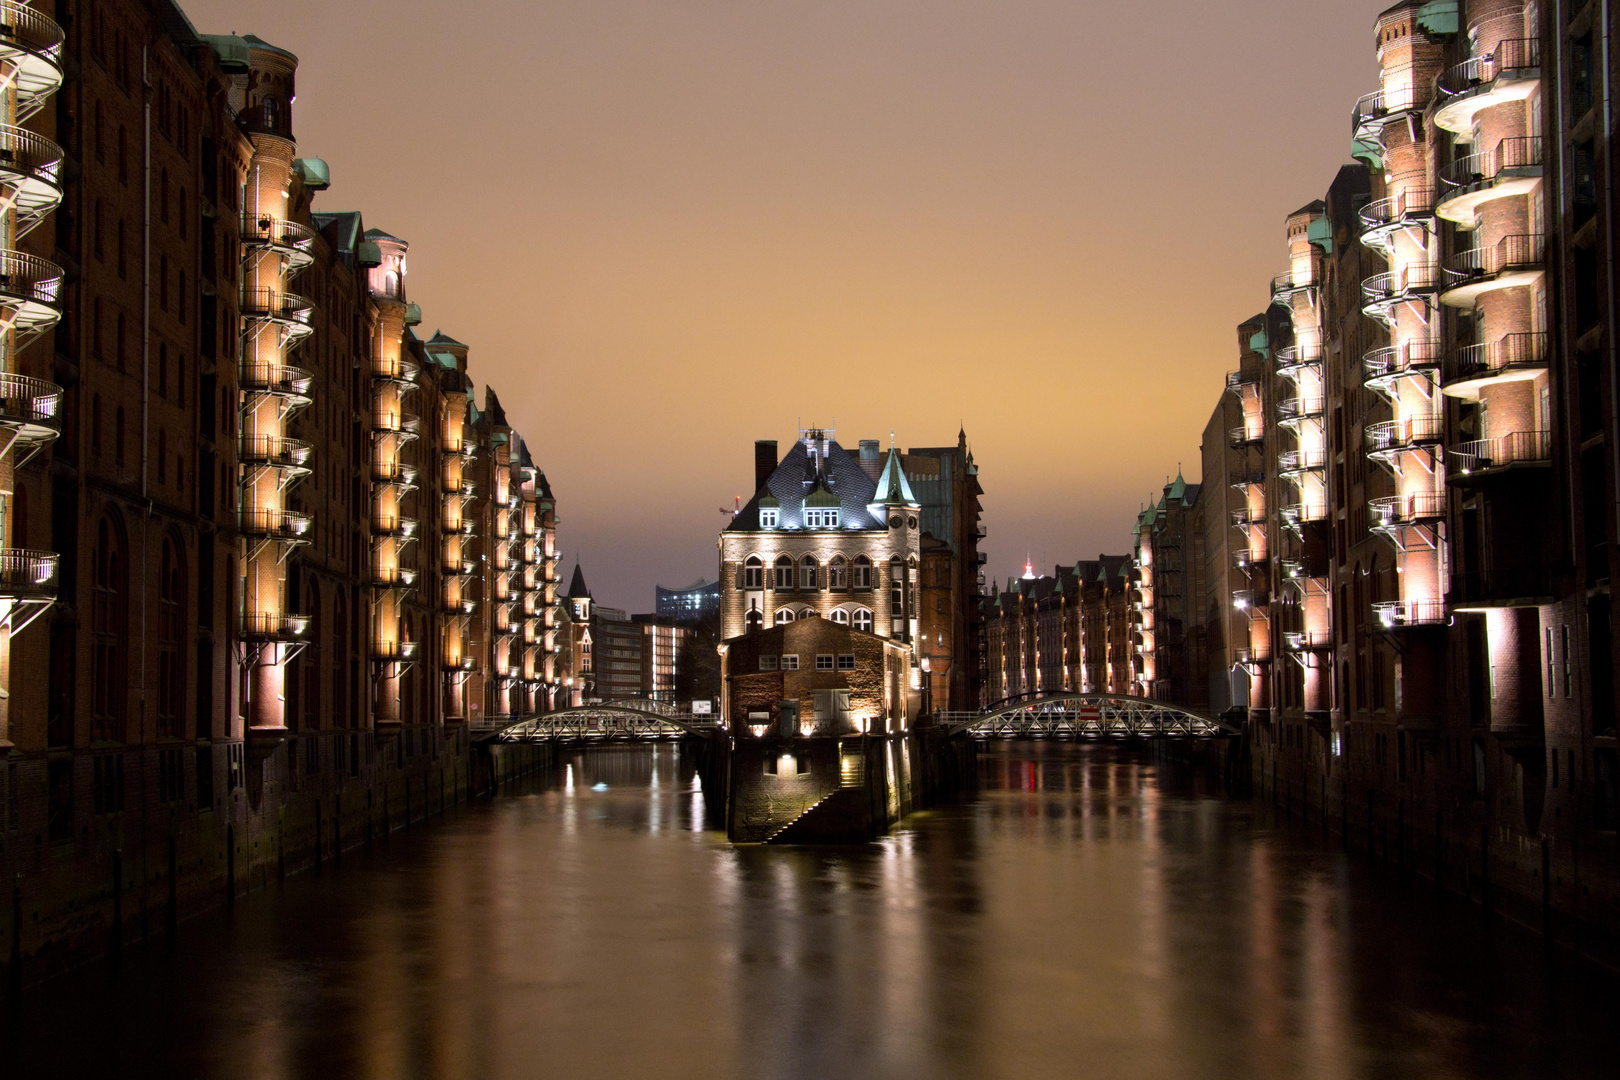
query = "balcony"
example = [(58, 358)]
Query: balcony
[(1250, 599), (400, 370), (269, 628), (1236, 381), (1247, 516), (292, 241), (1513, 358), (1382, 368), (1404, 94), (456, 605), (1284, 287), (31, 165), (32, 44), (1242, 479), (394, 577), (29, 291), (1292, 464), (1247, 656), (1509, 72), (274, 452), (1246, 561), (1381, 294), (1292, 412), (1399, 511), (1512, 262), (393, 472), (1303, 512), (30, 407), (457, 567), (278, 380), (286, 526), (462, 527), (1512, 167), (1309, 640), (401, 427), (27, 575), (462, 486), (1246, 436), (287, 310), (1483, 590), (393, 651), (1296, 360), (1488, 457), (394, 526), (1399, 614), (1391, 437), (1412, 208)]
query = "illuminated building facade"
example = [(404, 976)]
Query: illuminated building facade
[(1073, 631), (226, 489), (833, 537)]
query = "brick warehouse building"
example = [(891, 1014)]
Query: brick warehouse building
[(1419, 670), (826, 536), (247, 610)]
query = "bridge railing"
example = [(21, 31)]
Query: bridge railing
[(1083, 716)]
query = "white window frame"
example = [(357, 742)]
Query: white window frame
[(769, 518), (840, 616), (790, 661), (767, 662), (754, 573), (821, 519), (780, 612), (864, 615), (785, 573)]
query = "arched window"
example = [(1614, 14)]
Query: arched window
[(863, 572), (840, 616), (309, 659), (863, 619), (171, 632), (95, 424), (809, 613), (118, 436), (756, 621), (163, 456), (784, 616), (109, 633), (838, 573), (897, 591), (753, 573), (270, 112), (340, 664), (807, 572), (784, 571)]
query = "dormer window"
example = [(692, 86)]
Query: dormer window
[(821, 519), (768, 518)]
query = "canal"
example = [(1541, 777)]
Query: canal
[(1088, 914)]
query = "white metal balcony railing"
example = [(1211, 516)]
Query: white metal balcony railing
[(1514, 448), (1415, 358), (1522, 355), (1413, 508), (1413, 432), (28, 575), (31, 42), (1394, 614), (285, 525), (274, 451)]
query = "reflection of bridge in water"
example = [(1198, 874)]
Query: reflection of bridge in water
[(1083, 716)]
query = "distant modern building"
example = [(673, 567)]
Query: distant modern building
[(617, 654), (691, 604), (664, 646)]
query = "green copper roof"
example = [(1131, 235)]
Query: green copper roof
[(892, 489), (1438, 17), (315, 172), (1178, 490), (822, 497)]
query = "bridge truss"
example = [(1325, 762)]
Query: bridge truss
[(609, 721), (1083, 716)]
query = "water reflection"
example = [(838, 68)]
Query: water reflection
[(1089, 914)]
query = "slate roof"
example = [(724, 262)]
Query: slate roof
[(576, 588), (795, 478)]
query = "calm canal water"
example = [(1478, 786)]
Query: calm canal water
[(1089, 915)]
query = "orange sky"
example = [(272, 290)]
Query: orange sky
[(668, 228)]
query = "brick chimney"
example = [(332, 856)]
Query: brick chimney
[(871, 458), (764, 461)]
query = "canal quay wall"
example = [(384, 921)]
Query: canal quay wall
[(140, 870), (831, 789), (1475, 833)]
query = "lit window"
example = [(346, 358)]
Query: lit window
[(838, 573), (821, 519), (784, 616), (767, 663), (790, 661), (807, 572), (768, 518), (824, 661), (846, 661), (753, 573), (863, 620), (863, 572)]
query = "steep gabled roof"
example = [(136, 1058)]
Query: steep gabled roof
[(892, 488), (793, 480), (577, 589)]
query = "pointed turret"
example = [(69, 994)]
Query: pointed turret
[(892, 489)]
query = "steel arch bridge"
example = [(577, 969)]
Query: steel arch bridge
[(608, 721), (1082, 716)]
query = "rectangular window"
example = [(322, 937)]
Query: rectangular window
[(768, 518), (767, 663), (821, 519), (824, 661), (846, 661), (1552, 674), (1569, 666), (790, 661)]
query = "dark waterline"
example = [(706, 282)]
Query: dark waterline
[(1090, 914)]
